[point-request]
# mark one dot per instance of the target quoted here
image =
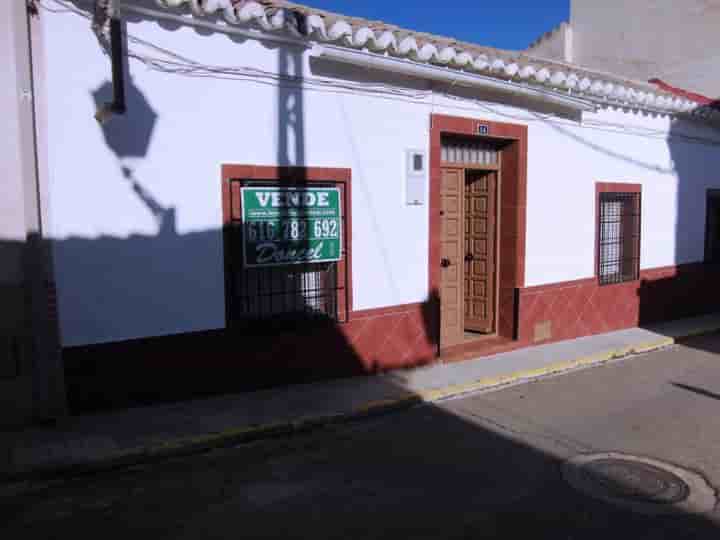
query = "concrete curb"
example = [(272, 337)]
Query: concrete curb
[(185, 446), (551, 369)]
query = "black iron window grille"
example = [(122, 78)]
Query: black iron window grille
[(275, 297), (619, 237), (292, 292)]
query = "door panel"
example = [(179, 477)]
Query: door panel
[(479, 256), (451, 253)]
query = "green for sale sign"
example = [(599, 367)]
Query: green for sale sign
[(291, 225)]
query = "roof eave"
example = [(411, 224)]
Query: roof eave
[(447, 75), (275, 18)]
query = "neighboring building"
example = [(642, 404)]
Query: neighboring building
[(677, 42), (444, 199)]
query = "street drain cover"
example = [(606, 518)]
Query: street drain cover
[(641, 484), (635, 481)]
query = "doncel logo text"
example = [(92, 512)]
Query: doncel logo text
[(268, 253)]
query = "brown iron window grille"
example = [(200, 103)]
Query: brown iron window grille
[(619, 237)]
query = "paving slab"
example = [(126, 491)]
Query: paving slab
[(128, 436)]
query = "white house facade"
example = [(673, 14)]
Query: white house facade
[(472, 201)]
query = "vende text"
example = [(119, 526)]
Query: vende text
[(292, 199)]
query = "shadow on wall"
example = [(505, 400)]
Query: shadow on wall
[(135, 280), (190, 365), (111, 286), (690, 287)]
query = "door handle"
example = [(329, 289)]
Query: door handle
[(445, 262), (469, 257)]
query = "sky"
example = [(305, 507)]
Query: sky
[(504, 25)]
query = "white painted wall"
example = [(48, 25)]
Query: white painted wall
[(564, 163), (201, 124), (12, 213), (21, 378), (123, 275)]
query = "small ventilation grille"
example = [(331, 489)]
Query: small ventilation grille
[(543, 331)]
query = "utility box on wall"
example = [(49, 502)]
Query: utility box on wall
[(415, 175)]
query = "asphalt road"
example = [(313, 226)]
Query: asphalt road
[(484, 466)]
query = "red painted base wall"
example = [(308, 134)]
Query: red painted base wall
[(394, 337), (192, 365), (170, 368), (582, 308)]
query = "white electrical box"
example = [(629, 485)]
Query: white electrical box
[(415, 177)]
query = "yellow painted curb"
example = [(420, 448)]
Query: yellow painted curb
[(647, 347), (438, 394)]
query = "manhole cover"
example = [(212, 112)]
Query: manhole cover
[(642, 484), (636, 481)]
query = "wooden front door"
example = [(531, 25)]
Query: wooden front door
[(452, 190), (479, 250)]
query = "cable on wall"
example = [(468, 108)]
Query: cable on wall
[(165, 61)]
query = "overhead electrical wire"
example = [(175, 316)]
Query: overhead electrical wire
[(176, 64)]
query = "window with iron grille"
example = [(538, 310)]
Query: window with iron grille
[(618, 237), (279, 296)]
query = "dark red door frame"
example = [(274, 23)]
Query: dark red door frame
[(512, 211)]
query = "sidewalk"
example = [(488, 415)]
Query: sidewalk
[(124, 437)]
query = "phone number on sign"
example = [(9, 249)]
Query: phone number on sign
[(261, 231)]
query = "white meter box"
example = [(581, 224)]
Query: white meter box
[(415, 177)]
